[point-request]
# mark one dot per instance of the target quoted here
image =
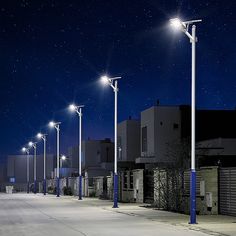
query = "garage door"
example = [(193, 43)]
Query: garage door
[(227, 191)]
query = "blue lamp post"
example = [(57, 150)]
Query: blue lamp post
[(184, 26), (57, 127), (43, 137), (27, 151), (34, 146), (78, 110), (113, 83)]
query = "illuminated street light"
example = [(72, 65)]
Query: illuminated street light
[(34, 146), (63, 157), (27, 151), (43, 137), (78, 110), (56, 125), (113, 82), (184, 26)]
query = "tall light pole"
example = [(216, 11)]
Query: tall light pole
[(113, 82), (43, 137), (34, 146), (27, 151), (56, 125), (78, 110), (184, 26)]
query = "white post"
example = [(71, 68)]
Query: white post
[(193, 95), (58, 150), (80, 153), (27, 171), (80, 140), (115, 131), (58, 159), (35, 166), (193, 170), (44, 158), (115, 205), (35, 169)]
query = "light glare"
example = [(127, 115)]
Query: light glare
[(23, 149), (30, 144), (39, 135), (104, 79), (176, 23), (72, 107), (63, 157), (51, 124)]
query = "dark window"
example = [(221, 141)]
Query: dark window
[(125, 180), (131, 180), (161, 123), (176, 126), (144, 139)]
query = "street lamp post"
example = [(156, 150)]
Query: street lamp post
[(78, 110), (184, 26), (26, 150), (34, 146), (57, 127), (43, 137), (113, 82)]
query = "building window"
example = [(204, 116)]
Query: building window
[(12, 180), (125, 180), (131, 180), (144, 139), (175, 126)]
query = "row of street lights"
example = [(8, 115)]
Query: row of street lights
[(113, 83), (78, 109)]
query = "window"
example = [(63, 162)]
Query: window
[(144, 139), (176, 126), (12, 180), (125, 180), (131, 180)]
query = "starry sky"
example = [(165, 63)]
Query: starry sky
[(52, 53)]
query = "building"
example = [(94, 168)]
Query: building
[(128, 140), (160, 125), (216, 152), (17, 168)]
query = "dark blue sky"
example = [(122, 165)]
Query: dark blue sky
[(53, 52)]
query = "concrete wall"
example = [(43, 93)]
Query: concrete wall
[(163, 127), (127, 192), (138, 185), (207, 182), (129, 140)]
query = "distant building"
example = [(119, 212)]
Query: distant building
[(160, 125), (166, 125), (17, 168), (97, 157), (216, 152), (128, 140)]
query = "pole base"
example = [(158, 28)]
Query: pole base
[(80, 187), (115, 204), (193, 198), (35, 187), (28, 187), (44, 187), (58, 187)]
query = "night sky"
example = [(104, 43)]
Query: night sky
[(53, 52)]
